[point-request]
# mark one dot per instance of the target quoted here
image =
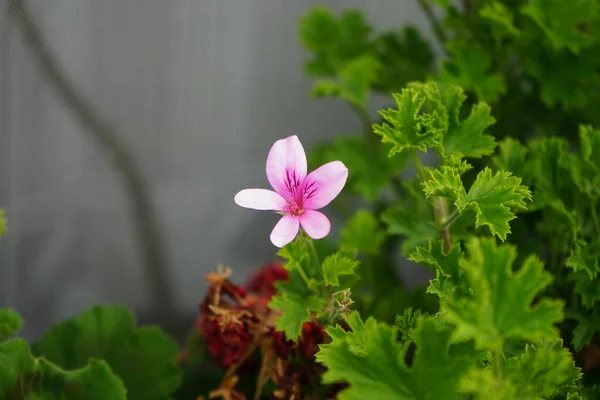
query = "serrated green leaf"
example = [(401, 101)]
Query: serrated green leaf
[(444, 182), (501, 19), (512, 156), (500, 308), (542, 371), (588, 325), (296, 311), (406, 128), (10, 323), (407, 322), (586, 169), (371, 360), (336, 265), (585, 257), (561, 21), (362, 233), (469, 68), (24, 377), (356, 78), (449, 276), (588, 289), (144, 358)]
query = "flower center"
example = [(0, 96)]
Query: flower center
[(293, 209)]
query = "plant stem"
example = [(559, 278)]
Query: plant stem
[(313, 252), (438, 29), (498, 363), (123, 159), (451, 219), (418, 165), (595, 216), (440, 213)]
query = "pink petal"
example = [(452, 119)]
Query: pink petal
[(315, 223), (285, 231), (324, 184), (286, 166), (260, 199)]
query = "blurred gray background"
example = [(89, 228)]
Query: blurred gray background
[(200, 89)]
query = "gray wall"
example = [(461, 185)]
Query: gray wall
[(201, 89)]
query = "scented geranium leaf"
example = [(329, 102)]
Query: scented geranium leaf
[(468, 139), (370, 170), (444, 182), (319, 31), (25, 377), (469, 68), (336, 265), (449, 276), (500, 308), (296, 310), (362, 233), (586, 170), (544, 370), (588, 289), (371, 360), (325, 88), (144, 358), (561, 21), (494, 198), (356, 78), (10, 323), (588, 324), (512, 156), (585, 257), (501, 19), (406, 128), (407, 322), (460, 137), (412, 218)]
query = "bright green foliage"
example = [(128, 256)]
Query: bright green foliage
[(512, 157), (407, 322), (469, 68), (336, 265), (370, 170), (372, 360), (586, 173), (24, 377), (493, 198), (362, 233), (449, 276), (542, 371), (561, 21), (500, 308), (144, 358), (10, 323), (501, 19), (297, 311), (406, 128)]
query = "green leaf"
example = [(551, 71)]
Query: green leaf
[(512, 156), (561, 21), (469, 68), (501, 19), (144, 358), (25, 377), (336, 265), (449, 276), (492, 197), (407, 322), (588, 289), (542, 371), (585, 257), (362, 233), (406, 128), (356, 78), (371, 360), (586, 170), (500, 308), (588, 325), (10, 323), (296, 311)]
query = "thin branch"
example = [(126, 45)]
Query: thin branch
[(123, 159), (438, 29)]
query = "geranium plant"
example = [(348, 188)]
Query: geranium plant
[(483, 169)]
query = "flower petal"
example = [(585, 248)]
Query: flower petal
[(285, 231), (315, 223), (324, 184), (286, 166), (260, 199)]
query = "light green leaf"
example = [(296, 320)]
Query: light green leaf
[(406, 128), (25, 377), (500, 308), (362, 233), (10, 323), (512, 156), (336, 265), (144, 358), (296, 311), (469, 68), (356, 78), (371, 360), (561, 20), (2, 222)]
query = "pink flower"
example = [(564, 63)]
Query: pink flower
[(297, 195)]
